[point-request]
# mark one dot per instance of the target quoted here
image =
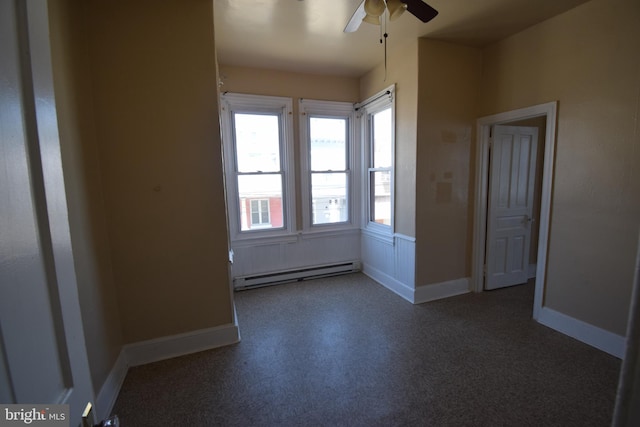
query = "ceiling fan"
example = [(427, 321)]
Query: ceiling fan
[(370, 11)]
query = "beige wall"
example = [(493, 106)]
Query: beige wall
[(449, 81), (156, 112), (96, 288), (258, 81), (587, 59), (402, 70)]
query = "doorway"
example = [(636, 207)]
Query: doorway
[(547, 111)]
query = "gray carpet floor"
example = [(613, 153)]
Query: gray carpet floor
[(345, 351)]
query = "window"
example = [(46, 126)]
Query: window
[(257, 137), (380, 172), (379, 140), (328, 162), (342, 184), (260, 213), (258, 167)]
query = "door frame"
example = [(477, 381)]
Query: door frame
[(483, 126)]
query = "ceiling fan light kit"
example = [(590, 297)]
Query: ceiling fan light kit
[(396, 8), (371, 19), (371, 11), (374, 10)]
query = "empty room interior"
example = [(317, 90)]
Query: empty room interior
[(303, 212)]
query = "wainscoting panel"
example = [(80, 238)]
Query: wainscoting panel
[(405, 259), (304, 251), (390, 262)]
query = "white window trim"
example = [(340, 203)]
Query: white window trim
[(330, 109), (234, 102), (260, 212), (378, 102)]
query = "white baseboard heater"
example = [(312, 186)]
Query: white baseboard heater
[(267, 279)]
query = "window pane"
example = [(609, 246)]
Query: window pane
[(381, 197), (255, 212), (328, 143), (257, 142), (260, 201), (329, 198), (382, 137)]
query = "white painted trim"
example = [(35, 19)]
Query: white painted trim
[(387, 238), (157, 349), (336, 110), (404, 237), (364, 110), (111, 388), (389, 282), (283, 108), (263, 241), (321, 234), (549, 110), (144, 352), (306, 250), (277, 277), (592, 335), (436, 291), (627, 408)]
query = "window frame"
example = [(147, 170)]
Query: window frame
[(260, 212), (379, 102), (233, 103), (309, 108)]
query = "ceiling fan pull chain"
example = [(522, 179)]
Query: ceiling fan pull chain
[(385, 56), (385, 42)]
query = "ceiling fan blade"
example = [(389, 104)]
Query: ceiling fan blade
[(420, 10), (356, 19)]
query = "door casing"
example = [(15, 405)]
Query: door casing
[(483, 125)]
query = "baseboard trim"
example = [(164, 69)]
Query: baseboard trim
[(111, 388), (436, 291), (394, 285), (592, 335), (154, 350)]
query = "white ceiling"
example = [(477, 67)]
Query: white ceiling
[(307, 35)]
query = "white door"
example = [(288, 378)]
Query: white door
[(43, 358), (510, 207)]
